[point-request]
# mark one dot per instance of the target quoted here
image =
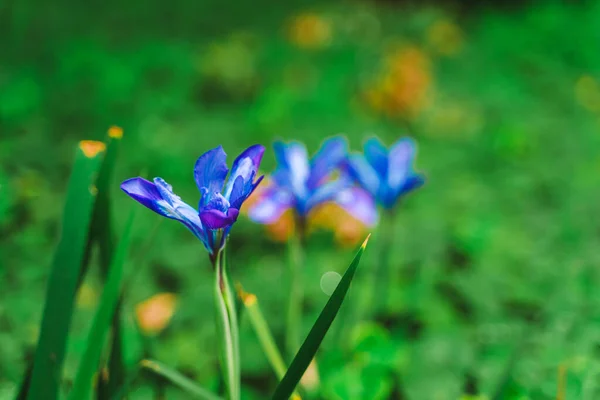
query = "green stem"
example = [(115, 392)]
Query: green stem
[(381, 272), (296, 294), (235, 334), (228, 329)]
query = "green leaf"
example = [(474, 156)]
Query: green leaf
[(317, 332), (102, 235), (66, 268), (102, 320), (179, 380), (101, 229)]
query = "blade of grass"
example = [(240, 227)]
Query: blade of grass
[(102, 235), (65, 272), (101, 229), (318, 331), (102, 320), (179, 380), (261, 328), (265, 337)]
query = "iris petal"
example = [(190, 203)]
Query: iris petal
[(400, 160), (377, 155), (358, 203), (364, 173), (144, 192), (216, 219), (325, 192), (159, 197), (413, 182), (211, 169), (332, 152), (271, 205), (293, 158), (246, 166)]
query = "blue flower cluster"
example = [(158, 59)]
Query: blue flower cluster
[(356, 182)]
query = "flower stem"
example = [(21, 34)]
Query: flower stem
[(228, 328), (381, 272), (296, 294)]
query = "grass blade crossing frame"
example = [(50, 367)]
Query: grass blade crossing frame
[(179, 380), (317, 332), (102, 320), (65, 272)]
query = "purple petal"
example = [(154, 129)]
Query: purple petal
[(377, 155), (216, 219), (143, 191), (159, 197), (211, 169), (364, 173), (271, 206), (332, 152), (400, 160), (245, 166), (358, 203)]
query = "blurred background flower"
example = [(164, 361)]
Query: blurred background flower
[(154, 314)]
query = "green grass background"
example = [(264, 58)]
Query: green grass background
[(496, 257)]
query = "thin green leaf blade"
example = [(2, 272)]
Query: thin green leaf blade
[(318, 331), (179, 380), (103, 318), (64, 275), (263, 332)]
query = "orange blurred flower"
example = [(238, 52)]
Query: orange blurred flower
[(311, 31), (348, 231), (402, 88), (153, 315)]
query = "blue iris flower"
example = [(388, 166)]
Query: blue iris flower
[(301, 184), (220, 202), (386, 174)]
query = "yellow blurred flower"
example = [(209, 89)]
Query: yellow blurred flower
[(153, 315), (309, 30), (402, 88), (445, 37), (587, 93)]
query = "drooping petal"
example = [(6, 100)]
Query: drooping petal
[(144, 192), (413, 182), (359, 203), (245, 166), (377, 155), (399, 162), (325, 192), (216, 219), (159, 197), (271, 205), (211, 169), (294, 158), (332, 152), (364, 173)]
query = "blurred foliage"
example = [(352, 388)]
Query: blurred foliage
[(496, 257)]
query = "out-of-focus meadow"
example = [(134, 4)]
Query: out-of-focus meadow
[(494, 271)]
